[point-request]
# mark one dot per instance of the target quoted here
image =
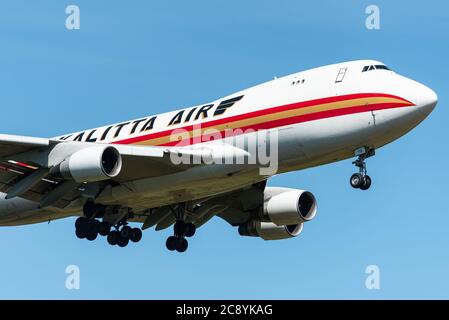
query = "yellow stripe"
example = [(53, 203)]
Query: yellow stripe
[(274, 116)]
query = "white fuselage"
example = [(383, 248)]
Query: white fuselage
[(319, 116)]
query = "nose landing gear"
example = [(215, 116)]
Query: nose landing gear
[(361, 180)]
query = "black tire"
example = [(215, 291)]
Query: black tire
[(80, 222), (190, 230), (366, 183), (104, 228), (91, 235), (80, 233), (172, 243), (136, 235), (122, 242), (125, 232), (180, 228), (113, 237), (95, 225), (182, 245), (356, 180)]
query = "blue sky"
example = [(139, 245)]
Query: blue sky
[(145, 57)]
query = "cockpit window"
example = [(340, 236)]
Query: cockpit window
[(376, 67), (382, 67)]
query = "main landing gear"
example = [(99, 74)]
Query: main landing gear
[(181, 230), (89, 227), (123, 234), (361, 180)]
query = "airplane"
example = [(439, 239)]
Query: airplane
[(184, 167)]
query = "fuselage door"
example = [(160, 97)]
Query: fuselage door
[(341, 74)]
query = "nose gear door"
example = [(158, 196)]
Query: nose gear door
[(373, 118)]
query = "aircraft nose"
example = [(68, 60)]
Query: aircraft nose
[(425, 99)]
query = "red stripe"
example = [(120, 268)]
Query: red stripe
[(288, 121), (22, 164), (261, 112)]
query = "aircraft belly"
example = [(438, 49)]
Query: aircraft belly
[(334, 135), (175, 188)]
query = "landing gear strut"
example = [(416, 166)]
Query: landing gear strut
[(89, 227), (181, 230), (361, 180)]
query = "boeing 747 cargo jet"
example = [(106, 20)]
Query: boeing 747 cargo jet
[(184, 167)]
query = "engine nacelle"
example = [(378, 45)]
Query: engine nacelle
[(270, 231), (90, 164), (283, 214), (284, 206)]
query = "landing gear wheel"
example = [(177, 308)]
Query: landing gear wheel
[(361, 180), (80, 222), (366, 183), (81, 227), (172, 243), (95, 225), (182, 245), (126, 232), (91, 234), (104, 228), (357, 180), (122, 242), (180, 228), (190, 230), (113, 237), (136, 235), (80, 233)]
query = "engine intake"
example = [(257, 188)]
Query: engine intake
[(90, 164), (288, 206)]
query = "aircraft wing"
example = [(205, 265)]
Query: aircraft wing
[(12, 170), (11, 144), (25, 164)]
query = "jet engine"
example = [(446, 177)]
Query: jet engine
[(282, 215), (90, 164), (284, 206)]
